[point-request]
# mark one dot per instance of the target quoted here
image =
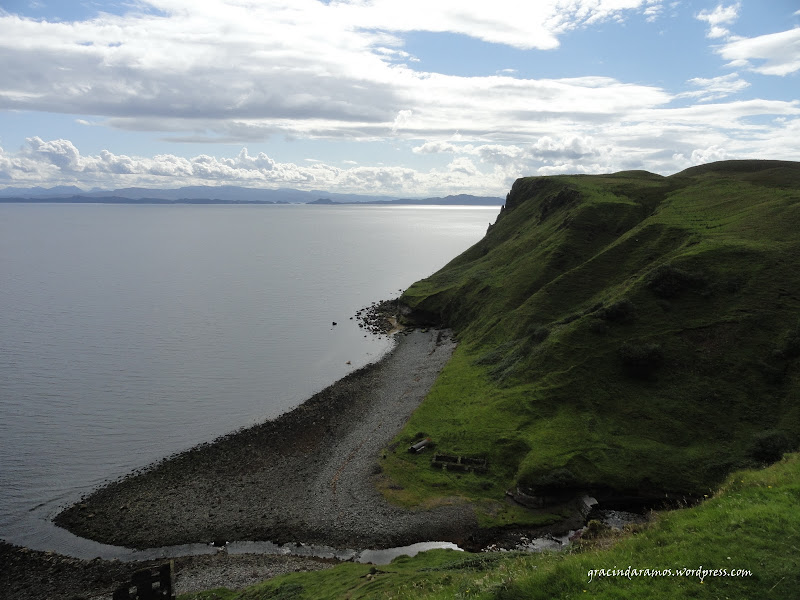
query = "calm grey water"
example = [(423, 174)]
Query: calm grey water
[(128, 333)]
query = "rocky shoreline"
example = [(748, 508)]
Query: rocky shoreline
[(35, 575), (308, 476)]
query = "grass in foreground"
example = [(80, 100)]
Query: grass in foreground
[(750, 524)]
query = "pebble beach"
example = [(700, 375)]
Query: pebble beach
[(308, 477)]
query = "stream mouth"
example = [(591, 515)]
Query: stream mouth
[(54, 538), (50, 537), (87, 549), (375, 557), (64, 542)]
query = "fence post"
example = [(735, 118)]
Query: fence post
[(143, 582)]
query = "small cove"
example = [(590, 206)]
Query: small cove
[(35, 528), (134, 332)]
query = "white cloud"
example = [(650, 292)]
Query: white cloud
[(716, 88), (499, 154), (662, 141), (710, 154), (20, 168), (572, 167), (261, 161), (402, 120), (544, 148), (780, 52), (55, 162), (41, 156), (435, 148), (719, 116), (653, 11), (700, 156), (207, 61), (520, 24), (463, 165), (230, 70), (721, 15), (61, 153), (573, 147)]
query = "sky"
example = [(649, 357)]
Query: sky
[(394, 97)]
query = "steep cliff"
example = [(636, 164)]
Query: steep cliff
[(627, 334)]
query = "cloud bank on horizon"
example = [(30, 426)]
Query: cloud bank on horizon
[(389, 96)]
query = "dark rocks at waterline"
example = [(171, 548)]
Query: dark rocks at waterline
[(379, 317)]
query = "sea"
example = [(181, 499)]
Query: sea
[(132, 332)]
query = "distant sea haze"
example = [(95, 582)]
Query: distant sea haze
[(223, 195), (131, 332)]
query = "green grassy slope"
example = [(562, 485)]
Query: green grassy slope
[(625, 334), (751, 525)]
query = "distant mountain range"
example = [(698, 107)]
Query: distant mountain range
[(458, 200), (226, 194)]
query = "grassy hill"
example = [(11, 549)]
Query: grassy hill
[(626, 334)]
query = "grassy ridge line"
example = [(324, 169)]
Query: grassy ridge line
[(751, 523), (629, 334)]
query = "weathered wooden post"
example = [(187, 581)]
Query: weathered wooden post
[(143, 581)]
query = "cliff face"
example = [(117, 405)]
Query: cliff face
[(629, 332), (545, 188)]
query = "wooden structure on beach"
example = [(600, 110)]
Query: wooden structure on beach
[(149, 584), (462, 464)]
